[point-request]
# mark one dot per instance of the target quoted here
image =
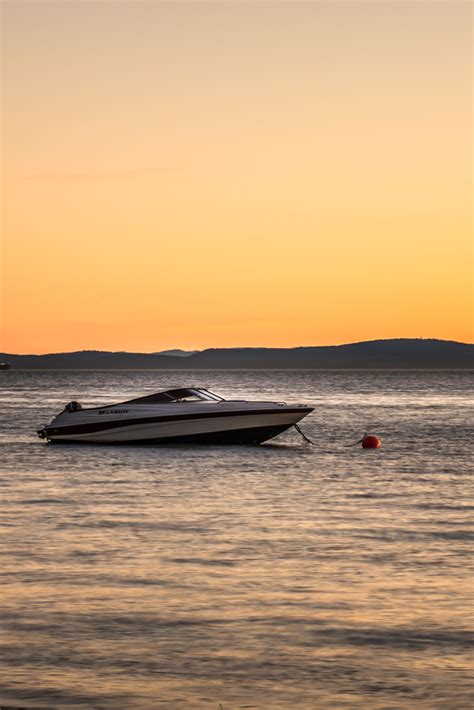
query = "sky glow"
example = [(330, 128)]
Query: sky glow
[(200, 174)]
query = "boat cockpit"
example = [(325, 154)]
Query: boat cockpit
[(192, 394)]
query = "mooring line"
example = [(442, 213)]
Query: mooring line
[(306, 438)]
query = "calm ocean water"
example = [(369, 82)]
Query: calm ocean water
[(279, 576)]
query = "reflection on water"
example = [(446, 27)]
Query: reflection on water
[(277, 576)]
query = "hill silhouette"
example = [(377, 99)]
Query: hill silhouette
[(405, 353)]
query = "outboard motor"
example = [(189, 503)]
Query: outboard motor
[(72, 407)]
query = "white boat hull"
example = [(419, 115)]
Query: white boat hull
[(253, 428), (152, 420)]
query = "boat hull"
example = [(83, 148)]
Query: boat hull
[(248, 428), (257, 435)]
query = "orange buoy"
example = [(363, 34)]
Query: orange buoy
[(371, 442)]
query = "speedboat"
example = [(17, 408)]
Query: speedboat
[(192, 415)]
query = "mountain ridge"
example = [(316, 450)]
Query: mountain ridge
[(394, 353)]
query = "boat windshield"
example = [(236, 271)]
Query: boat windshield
[(178, 395)]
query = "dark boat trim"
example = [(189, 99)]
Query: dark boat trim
[(254, 435), (107, 425)]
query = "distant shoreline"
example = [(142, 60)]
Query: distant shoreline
[(395, 354), (245, 369)]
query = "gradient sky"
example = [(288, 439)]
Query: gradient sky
[(199, 174)]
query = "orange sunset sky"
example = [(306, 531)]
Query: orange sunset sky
[(198, 174)]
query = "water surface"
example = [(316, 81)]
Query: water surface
[(279, 576)]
